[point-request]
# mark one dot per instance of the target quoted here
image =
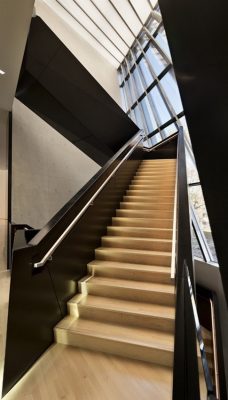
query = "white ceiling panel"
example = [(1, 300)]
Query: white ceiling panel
[(108, 25)]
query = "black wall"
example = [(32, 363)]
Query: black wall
[(197, 32), (38, 297), (60, 90)]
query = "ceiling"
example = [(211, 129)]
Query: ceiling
[(101, 22), (77, 107), (15, 17)]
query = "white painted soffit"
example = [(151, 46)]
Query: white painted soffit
[(15, 18), (90, 18)]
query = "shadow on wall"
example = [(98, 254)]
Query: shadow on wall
[(48, 170)]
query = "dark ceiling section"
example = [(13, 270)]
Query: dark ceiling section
[(197, 32), (60, 90)]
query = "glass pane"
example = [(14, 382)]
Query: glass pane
[(192, 173), (170, 87), (143, 39), (151, 124), (152, 26), (128, 95), (156, 60), (146, 72), (138, 83), (138, 116), (156, 139), (123, 100), (170, 130), (133, 116), (130, 91), (161, 108), (123, 70), (136, 50), (196, 251), (162, 42), (197, 201)]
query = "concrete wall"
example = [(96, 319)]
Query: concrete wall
[(90, 55), (3, 187), (47, 169)]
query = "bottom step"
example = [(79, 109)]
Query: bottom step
[(136, 343)]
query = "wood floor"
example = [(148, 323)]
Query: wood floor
[(4, 300), (69, 373)]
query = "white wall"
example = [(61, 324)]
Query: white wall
[(47, 169), (3, 187), (91, 57)]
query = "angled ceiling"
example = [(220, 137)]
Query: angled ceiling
[(100, 22), (56, 86)]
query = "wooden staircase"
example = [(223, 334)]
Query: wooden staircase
[(126, 304)]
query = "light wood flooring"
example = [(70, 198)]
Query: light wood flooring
[(4, 300), (69, 373)]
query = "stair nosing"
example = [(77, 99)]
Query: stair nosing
[(120, 339)]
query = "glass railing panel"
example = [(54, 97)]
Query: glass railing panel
[(198, 204)]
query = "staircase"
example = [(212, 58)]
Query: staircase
[(126, 303)]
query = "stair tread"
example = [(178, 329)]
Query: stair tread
[(125, 334), (140, 267), (140, 229), (133, 251), (136, 239), (147, 207), (141, 198), (145, 219), (124, 283), (127, 306)]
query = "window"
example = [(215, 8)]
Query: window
[(151, 84)]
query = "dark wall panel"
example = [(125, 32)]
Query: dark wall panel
[(197, 32), (55, 85), (38, 296)]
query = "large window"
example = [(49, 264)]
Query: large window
[(149, 90)]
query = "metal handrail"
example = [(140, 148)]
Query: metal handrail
[(174, 236), (48, 255), (206, 370)]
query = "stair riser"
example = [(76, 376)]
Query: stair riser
[(153, 177), (144, 214), (131, 274), (117, 221), (150, 200), (133, 351), (127, 319), (157, 170), (124, 293), (142, 206), (150, 193), (170, 161), (131, 243), (134, 258), (151, 186), (159, 173), (158, 165), (140, 232)]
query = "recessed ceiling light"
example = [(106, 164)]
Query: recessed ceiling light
[(2, 72)]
